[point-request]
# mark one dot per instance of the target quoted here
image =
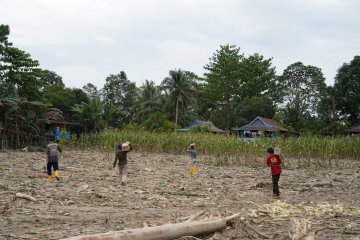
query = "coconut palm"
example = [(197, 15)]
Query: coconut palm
[(149, 99), (180, 89)]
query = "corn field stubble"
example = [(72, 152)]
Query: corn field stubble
[(307, 151)]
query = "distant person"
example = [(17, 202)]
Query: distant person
[(121, 158), (53, 151), (194, 163), (273, 161), (57, 133)]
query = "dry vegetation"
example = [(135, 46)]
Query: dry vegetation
[(317, 203)]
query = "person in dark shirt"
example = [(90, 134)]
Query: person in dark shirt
[(53, 151), (121, 159), (274, 162), (194, 163)]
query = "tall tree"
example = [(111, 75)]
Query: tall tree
[(121, 92), (149, 100), (91, 90), (180, 88), (347, 85), (90, 114), (258, 78), (51, 78), (223, 80), (302, 88)]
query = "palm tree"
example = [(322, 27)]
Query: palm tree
[(90, 114), (180, 88), (149, 99)]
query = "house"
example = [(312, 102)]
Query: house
[(263, 127), (207, 125), (56, 124), (353, 131)]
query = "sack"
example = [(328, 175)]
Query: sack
[(125, 147)]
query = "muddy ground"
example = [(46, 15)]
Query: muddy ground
[(317, 203)]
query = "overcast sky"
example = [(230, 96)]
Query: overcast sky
[(87, 40)]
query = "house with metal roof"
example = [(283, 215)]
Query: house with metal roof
[(353, 131), (205, 125), (263, 127)]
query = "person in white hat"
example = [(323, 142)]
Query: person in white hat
[(194, 164)]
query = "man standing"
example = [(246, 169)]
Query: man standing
[(53, 151), (121, 157)]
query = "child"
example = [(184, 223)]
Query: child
[(274, 162), (194, 162), (53, 151), (121, 156)]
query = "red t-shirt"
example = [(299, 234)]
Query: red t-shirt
[(274, 161)]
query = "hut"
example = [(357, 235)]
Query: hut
[(56, 123), (354, 131), (205, 125), (262, 127)]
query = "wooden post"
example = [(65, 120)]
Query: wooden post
[(163, 232)]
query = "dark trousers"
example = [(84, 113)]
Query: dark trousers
[(275, 180), (51, 165)]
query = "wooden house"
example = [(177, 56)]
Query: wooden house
[(263, 127)]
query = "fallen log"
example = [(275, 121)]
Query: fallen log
[(163, 232)]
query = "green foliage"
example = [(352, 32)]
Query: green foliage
[(180, 89), (347, 85), (222, 81), (90, 115), (302, 88), (121, 93), (251, 107), (157, 122), (235, 83), (149, 100)]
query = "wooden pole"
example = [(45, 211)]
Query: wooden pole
[(163, 232)]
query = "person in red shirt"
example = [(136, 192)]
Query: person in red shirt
[(274, 162)]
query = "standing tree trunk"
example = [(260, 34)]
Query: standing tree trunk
[(176, 112)]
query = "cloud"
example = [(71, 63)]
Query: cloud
[(86, 40)]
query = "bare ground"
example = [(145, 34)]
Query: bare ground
[(315, 203)]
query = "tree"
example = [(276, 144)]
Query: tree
[(149, 100), (347, 86), (90, 114), (302, 88), (50, 78), (179, 88), (258, 78), (222, 81), (91, 90), (20, 89), (251, 107), (121, 92), (62, 98)]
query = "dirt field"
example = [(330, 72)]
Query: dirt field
[(318, 203)]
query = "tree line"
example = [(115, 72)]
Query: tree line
[(233, 90)]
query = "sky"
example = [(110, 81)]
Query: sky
[(84, 41)]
